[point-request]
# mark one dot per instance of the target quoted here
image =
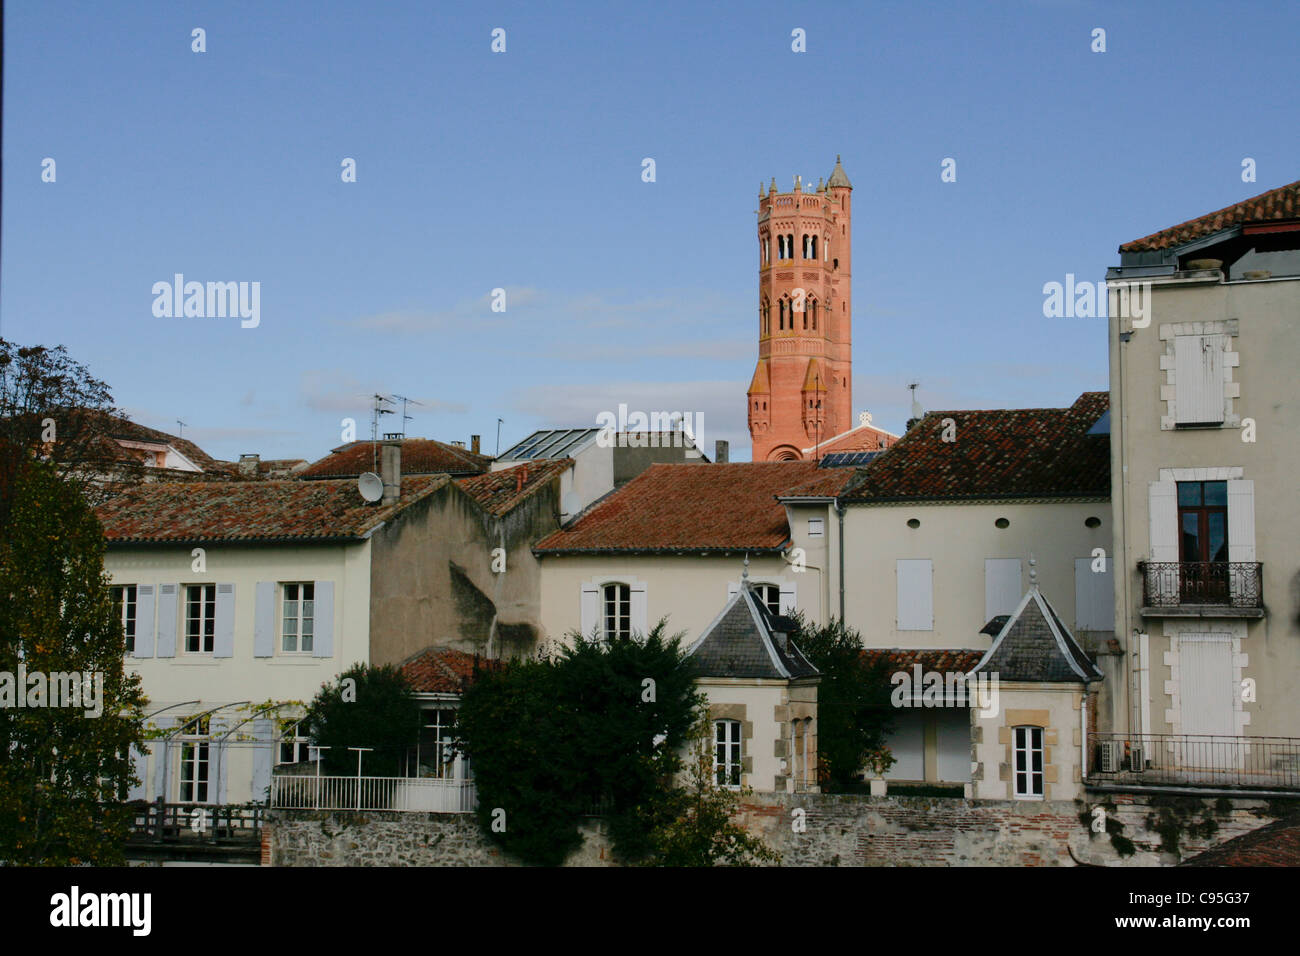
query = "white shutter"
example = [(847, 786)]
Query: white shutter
[(1162, 500), (264, 619), (1094, 596), (1206, 691), (322, 644), (263, 757), (218, 760), (223, 636), (1001, 586), (590, 609), (788, 601), (1198, 379), (168, 598), (144, 626), (140, 767), (915, 594), (1241, 520), (638, 599)]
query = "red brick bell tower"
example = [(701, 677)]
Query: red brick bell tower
[(802, 388)]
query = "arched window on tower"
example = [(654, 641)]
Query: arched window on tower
[(813, 309), (813, 247), (789, 244), (781, 316)]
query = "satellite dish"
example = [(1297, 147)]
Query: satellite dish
[(571, 503), (371, 486)]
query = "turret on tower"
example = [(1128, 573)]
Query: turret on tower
[(802, 391)]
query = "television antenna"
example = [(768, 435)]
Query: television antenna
[(405, 417)]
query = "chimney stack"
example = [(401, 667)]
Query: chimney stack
[(474, 444), (721, 452), (248, 465), (390, 469)]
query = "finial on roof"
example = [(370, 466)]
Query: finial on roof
[(1033, 572), (798, 183), (821, 185), (744, 573), (838, 176), (772, 188)]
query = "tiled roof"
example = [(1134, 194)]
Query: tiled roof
[(420, 456), (688, 507), (442, 670), (861, 438), (951, 661), (1277, 844), (1002, 453), (1034, 645), (828, 483), (250, 511), (743, 642), (1276, 204), (499, 492)]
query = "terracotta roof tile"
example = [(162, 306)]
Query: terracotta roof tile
[(250, 511), (499, 492), (443, 670), (1277, 204), (1277, 844), (951, 661), (688, 507), (1003, 453), (420, 456)]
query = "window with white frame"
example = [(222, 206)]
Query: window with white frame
[(726, 753), (194, 762), (124, 603), (770, 596), (616, 601), (295, 747), (200, 618), (435, 753), (297, 618), (1028, 756)]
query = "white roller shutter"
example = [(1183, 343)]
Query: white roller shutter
[(915, 594), (1001, 586), (1198, 379)]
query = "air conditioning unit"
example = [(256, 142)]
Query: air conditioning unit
[(1137, 758), (1109, 756)]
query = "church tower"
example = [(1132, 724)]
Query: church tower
[(802, 392)]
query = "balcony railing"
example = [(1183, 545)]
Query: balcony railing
[(1175, 584), (405, 794), (1188, 760)]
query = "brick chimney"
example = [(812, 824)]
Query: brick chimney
[(248, 465), (721, 452), (474, 444), (390, 469)]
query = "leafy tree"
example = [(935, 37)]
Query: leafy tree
[(693, 825), (61, 771), (853, 712), (364, 706), (601, 723)]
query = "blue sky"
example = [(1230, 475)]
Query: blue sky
[(522, 171)]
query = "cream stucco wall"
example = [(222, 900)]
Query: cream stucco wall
[(1055, 708), (765, 710)]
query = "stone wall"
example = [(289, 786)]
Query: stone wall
[(833, 830)]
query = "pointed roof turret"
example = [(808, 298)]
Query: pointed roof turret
[(838, 176), (746, 640), (1035, 646), (812, 380), (758, 385), (772, 188)]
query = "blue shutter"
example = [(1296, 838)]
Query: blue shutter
[(263, 758), (144, 626), (264, 620), (1001, 586), (218, 761), (140, 766), (160, 755), (322, 644), (223, 638), (168, 601), (915, 594)]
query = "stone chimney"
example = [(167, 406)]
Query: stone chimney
[(474, 444), (390, 469), (721, 452), (248, 465)]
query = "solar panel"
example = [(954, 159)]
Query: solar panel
[(840, 459), (548, 443)]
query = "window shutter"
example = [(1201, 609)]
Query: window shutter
[(168, 599), (264, 619), (263, 758), (1094, 596), (915, 594), (638, 600), (1001, 586), (223, 637), (218, 761), (1198, 379), (140, 767), (322, 644), (590, 609), (161, 751), (1241, 520), (144, 601), (1206, 688), (787, 604), (1162, 499)]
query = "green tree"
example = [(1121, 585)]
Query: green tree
[(63, 773), (853, 711), (364, 707)]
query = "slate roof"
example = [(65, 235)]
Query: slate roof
[(1035, 646), (688, 507), (1277, 844), (252, 511), (443, 670), (741, 642), (1278, 204), (420, 456), (999, 453), (499, 492)]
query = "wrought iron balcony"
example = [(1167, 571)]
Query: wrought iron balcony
[(1196, 586), (1187, 760)]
